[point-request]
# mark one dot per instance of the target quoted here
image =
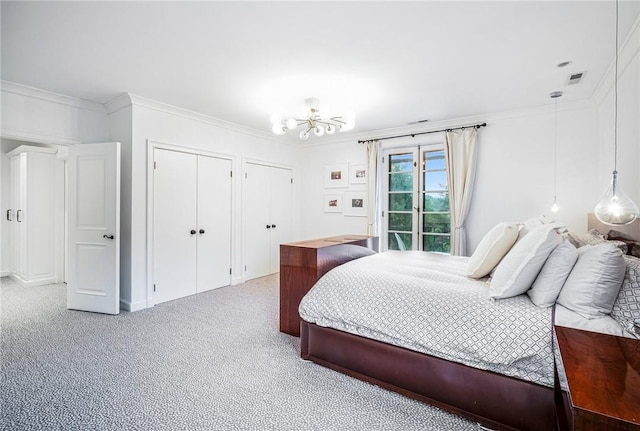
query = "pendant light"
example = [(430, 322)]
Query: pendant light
[(555, 208), (616, 208)]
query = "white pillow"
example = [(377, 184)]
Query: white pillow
[(527, 226), (554, 273), (594, 281), (517, 271), (495, 244)]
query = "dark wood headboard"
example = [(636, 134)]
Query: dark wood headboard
[(632, 229)]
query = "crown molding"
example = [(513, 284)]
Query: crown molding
[(629, 49), (547, 108), (117, 103), (140, 101), (23, 136), (50, 96)]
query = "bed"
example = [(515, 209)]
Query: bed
[(488, 360)]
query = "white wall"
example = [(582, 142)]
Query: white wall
[(153, 121), (316, 223), (514, 172), (37, 117), (628, 123)]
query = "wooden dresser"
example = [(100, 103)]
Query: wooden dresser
[(303, 263), (603, 374)]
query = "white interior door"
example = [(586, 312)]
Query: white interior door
[(94, 228), (281, 217), (214, 223), (174, 224), (257, 221)]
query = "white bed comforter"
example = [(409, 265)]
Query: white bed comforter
[(424, 302)]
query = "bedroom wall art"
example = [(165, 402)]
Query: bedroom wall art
[(355, 204), (336, 175)]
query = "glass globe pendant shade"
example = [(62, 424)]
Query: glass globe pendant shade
[(319, 130), (304, 135), (330, 129), (278, 129), (292, 123), (555, 208), (616, 208)]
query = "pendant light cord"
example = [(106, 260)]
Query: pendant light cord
[(615, 109), (555, 160)]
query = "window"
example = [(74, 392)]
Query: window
[(416, 200)]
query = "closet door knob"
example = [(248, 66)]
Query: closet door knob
[(9, 215), (201, 231), (193, 231), (107, 236), (268, 226), (18, 216), (273, 226)]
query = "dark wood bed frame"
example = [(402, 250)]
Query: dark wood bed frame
[(491, 399)]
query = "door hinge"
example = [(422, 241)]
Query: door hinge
[(382, 213), (154, 287), (155, 166), (415, 164), (245, 268), (231, 174), (291, 180), (230, 271), (245, 176)]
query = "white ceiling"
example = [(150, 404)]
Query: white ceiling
[(389, 62)]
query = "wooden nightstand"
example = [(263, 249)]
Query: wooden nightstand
[(303, 263), (603, 374)]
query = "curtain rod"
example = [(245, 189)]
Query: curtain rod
[(477, 126)]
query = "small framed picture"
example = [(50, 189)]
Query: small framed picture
[(355, 204), (358, 174), (333, 203), (336, 175)]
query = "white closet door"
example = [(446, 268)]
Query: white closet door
[(174, 220), (281, 217), (257, 221), (214, 223)]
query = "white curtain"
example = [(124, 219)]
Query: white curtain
[(372, 186), (460, 155)]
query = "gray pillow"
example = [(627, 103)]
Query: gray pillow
[(595, 280), (554, 273)]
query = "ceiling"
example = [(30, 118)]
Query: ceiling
[(391, 63)]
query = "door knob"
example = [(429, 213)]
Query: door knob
[(201, 231), (193, 231), (268, 226), (107, 236), (273, 226), (18, 216), (9, 215)]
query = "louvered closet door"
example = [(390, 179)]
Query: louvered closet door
[(214, 223), (174, 217)]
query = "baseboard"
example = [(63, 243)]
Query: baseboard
[(5, 273), (132, 306), (32, 283)]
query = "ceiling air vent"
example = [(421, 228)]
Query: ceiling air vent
[(576, 78)]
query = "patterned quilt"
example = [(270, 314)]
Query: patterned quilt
[(424, 302)]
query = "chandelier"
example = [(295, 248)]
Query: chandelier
[(314, 122)]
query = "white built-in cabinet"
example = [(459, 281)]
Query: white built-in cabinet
[(191, 223), (267, 221), (33, 215)]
